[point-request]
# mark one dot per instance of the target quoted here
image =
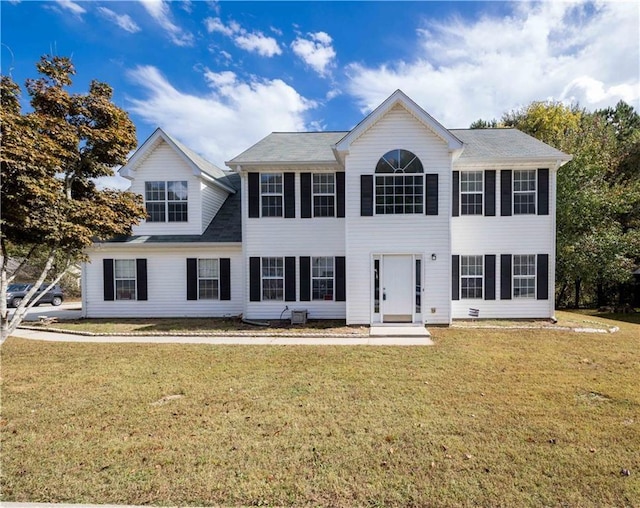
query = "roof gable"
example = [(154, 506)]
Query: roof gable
[(200, 167), (399, 98)]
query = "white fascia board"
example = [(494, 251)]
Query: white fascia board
[(247, 166), (507, 163), (214, 181), (399, 97), (113, 246)]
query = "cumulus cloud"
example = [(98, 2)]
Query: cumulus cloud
[(124, 21), (232, 116), (316, 51), (160, 12), (469, 69), (255, 42)]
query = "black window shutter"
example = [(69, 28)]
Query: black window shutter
[(455, 277), (431, 182), (505, 277), (455, 199), (141, 277), (543, 192), (254, 279), (490, 192), (305, 196), (225, 279), (542, 277), (340, 191), (289, 279), (305, 279), (192, 279), (366, 195), (490, 277), (341, 279), (107, 271), (254, 195), (290, 195), (505, 192)]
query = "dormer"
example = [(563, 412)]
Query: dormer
[(182, 191)]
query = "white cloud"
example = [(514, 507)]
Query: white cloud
[(159, 10), (316, 51), (124, 21), (469, 69), (222, 123), (73, 7), (249, 41)]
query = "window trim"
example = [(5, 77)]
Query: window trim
[(279, 194), (469, 277), (166, 202), (520, 277), (315, 194), (116, 279), (199, 278), (514, 192), (318, 278), (264, 277), (388, 180), (469, 193)]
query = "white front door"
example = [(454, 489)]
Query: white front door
[(397, 289)]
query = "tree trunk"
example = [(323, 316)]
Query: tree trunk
[(561, 294), (600, 298), (578, 284)]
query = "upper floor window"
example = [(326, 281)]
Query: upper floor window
[(524, 192), (166, 201), (471, 192), (324, 189), (401, 190), (208, 279), (271, 193)]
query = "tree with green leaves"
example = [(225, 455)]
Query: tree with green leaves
[(51, 155)]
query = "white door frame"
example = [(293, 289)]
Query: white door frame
[(377, 278)]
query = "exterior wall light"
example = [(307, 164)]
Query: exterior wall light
[(433, 257)]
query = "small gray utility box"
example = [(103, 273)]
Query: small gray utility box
[(299, 317)]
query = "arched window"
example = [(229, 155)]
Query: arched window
[(399, 183)]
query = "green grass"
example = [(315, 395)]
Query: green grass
[(483, 418)]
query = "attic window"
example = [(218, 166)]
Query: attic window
[(399, 183), (166, 201)]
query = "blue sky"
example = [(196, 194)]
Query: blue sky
[(221, 75)]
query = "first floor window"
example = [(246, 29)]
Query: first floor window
[(166, 201), (524, 192), (524, 276), (272, 279), (324, 195), (322, 278), (471, 276), (271, 191), (125, 279), (208, 279)]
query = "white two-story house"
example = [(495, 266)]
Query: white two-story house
[(396, 221)]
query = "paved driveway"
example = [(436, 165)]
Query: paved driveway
[(68, 310)]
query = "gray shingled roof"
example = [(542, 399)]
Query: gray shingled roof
[(204, 165), (226, 226), (296, 147), (292, 147), (503, 143)]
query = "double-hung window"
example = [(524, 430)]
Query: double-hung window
[(322, 278), (271, 193), (272, 279), (323, 187), (166, 201), (524, 192), (471, 192), (208, 279), (125, 279), (471, 276), (524, 276), (399, 183)]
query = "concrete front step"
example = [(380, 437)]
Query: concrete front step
[(408, 330)]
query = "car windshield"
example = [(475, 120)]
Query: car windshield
[(18, 287)]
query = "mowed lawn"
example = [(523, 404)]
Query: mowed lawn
[(483, 418)]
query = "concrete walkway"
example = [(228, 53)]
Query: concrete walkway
[(238, 340)]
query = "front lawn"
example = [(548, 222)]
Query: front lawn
[(483, 418)]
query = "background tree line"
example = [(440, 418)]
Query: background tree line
[(598, 196)]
